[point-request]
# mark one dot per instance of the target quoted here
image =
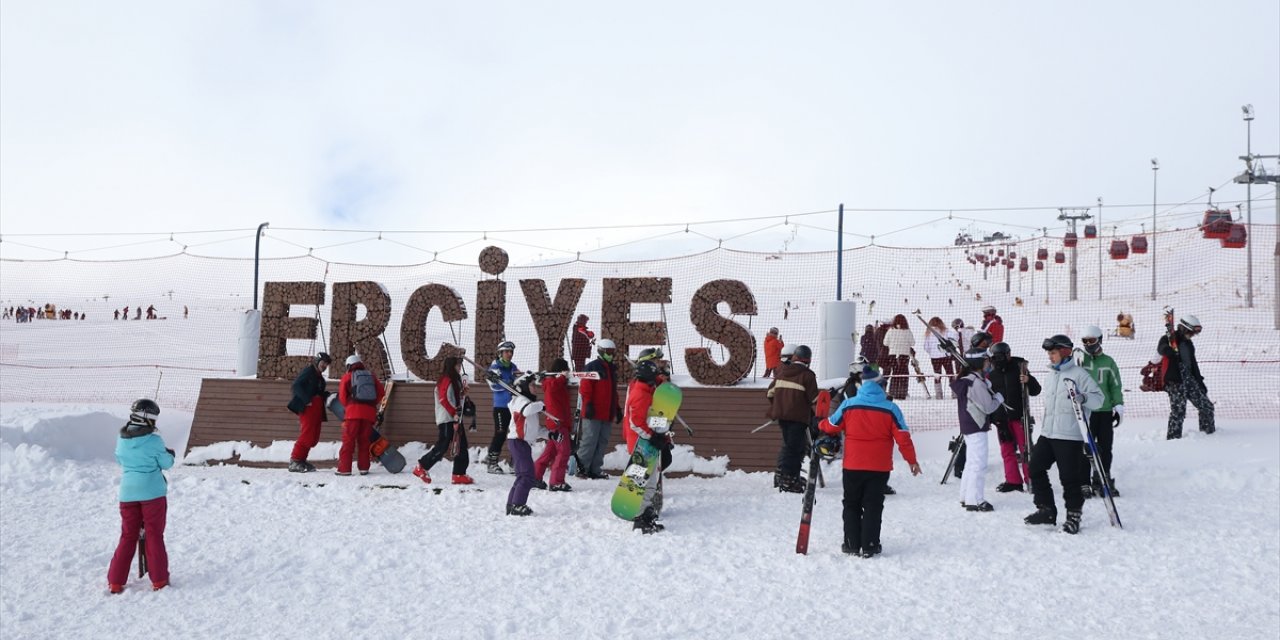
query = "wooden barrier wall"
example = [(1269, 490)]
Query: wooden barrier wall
[(244, 409)]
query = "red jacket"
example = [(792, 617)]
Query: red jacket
[(995, 327), (580, 347), (352, 409), (555, 397), (870, 424), (601, 396), (772, 351), (636, 422)]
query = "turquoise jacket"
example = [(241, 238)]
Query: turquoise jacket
[(142, 455)]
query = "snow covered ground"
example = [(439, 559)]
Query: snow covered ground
[(264, 553)]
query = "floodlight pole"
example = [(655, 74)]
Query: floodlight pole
[(840, 254), (1248, 190), (257, 245), (1155, 170), (1100, 241)]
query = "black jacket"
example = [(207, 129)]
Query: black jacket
[(1186, 354), (309, 384), (1004, 379)]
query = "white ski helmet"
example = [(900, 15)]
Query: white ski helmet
[(1092, 331), (1091, 339), (353, 359), (788, 350), (605, 343), (1190, 323)]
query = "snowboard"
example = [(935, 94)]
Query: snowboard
[(641, 483), (379, 447)]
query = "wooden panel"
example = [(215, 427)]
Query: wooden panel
[(244, 409)]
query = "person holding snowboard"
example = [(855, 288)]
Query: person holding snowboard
[(526, 430), (871, 424), (1102, 368), (975, 402), (359, 392), (451, 397), (791, 396), (1182, 378), (648, 375), (1007, 378), (1061, 441), (143, 505), (555, 392), (308, 400), (600, 406), (505, 370)]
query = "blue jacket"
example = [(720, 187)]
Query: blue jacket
[(502, 397), (142, 455)]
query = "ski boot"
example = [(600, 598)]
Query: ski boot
[(462, 478), (422, 474), (1043, 515), (871, 550), (300, 466), (491, 461), (519, 510), (647, 522), (538, 484), (983, 506), (156, 586), (889, 491), (789, 483), (115, 588), (1086, 491), (849, 549), (1006, 487), (1072, 525), (563, 486)]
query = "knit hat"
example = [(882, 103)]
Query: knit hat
[(871, 373)]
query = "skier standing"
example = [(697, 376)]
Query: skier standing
[(555, 392), (143, 505), (772, 351), (360, 410), (505, 370), (869, 346), (1060, 440), (1182, 379), (1007, 379), (1104, 420), (937, 356), (899, 342), (580, 345), (526, 430), (451, 396), (992, 324), (975, 402), (791, 396), (599, 406), (308, 400), (871, 424)]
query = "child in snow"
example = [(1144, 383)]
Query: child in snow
[(451, 396), (975, 402), (871, 425), (525, 430), (143, 456), (555, 390)]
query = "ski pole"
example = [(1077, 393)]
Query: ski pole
[(762, 426)]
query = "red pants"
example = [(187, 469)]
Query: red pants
[(556, 455), (133, 517), (356, 434), (309, 433)]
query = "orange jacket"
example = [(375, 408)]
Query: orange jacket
[(636, 422), (772, 351)]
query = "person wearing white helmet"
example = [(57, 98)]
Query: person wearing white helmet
[(992, 324), (788, 352), (1182, 378), (600, 406), (1103, 420)]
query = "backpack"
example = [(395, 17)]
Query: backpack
[(363, 388), (1153, 375)]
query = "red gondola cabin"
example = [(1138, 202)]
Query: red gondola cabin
[(1090, 231), (1022, 265), (1070, 240), (1119, 249), (1139, 244), (1059, 257), (1216, 224), (1042, 254), (1039, 265), (1237, 237)]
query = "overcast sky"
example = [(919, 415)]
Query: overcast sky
[(175, 116)]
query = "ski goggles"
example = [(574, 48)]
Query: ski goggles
[(1050, 345), (1089, 341)]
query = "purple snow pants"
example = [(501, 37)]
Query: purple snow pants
[(522, 458)]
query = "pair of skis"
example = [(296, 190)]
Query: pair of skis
[(1094, 459), (823, 409)]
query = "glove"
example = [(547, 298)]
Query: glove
[(589, 411), (999, 398), (1118, 416), (555, 436), (617, 415), (171, 452), (492, 376)]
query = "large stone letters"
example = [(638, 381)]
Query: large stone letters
[(413, 329), (552, 320), (278, 326), (713, 326), (349, 335)]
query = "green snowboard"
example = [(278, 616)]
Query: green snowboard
[(641, 484)]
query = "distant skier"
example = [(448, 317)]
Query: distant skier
[(505, 370), (871, 425), (600, 406), (791, 396), (1007, 379), (360, 393), (555, 394), (1061, 441), (975, 402), (992, 324), (772, 351), (1182, 378), (308, 400), (580, 343), (451, 397), (1102, 368), (143, 503)]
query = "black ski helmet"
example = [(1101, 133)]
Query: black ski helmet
[(649, 353), (144, 412), (980, 340), (647, 371), (803, 354), (975, 360), (324, 357), (1058, 341), (1000, 352)]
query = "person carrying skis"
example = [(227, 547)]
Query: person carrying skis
[(1103, 421), (1061, 441), (791, 396), (992, 324), (1007, 379), (773, 345), (900, 343), (308, 400), (937, 356), (871, 424), (505, 370), (526, 430), (451, 397), (648, 375), (360, 392), (555, 392), (143, 502), (1182, 378), (979, 343), (600, 406), (580, 344), (975, 402)]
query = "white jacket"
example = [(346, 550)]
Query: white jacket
[(899, 341), (934, 350), (1059, 416), (525, 421)]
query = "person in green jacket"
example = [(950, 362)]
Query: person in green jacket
[(1104, 420), (143, 505)]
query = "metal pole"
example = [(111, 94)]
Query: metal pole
[(257, 244), (1075, 255), (1100, 240), (840, 254), (1155, 168), (1008, 272), (1275, 279), (1248, 247)]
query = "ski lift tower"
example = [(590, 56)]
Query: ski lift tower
[(1071, 215), (1255, 173)]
